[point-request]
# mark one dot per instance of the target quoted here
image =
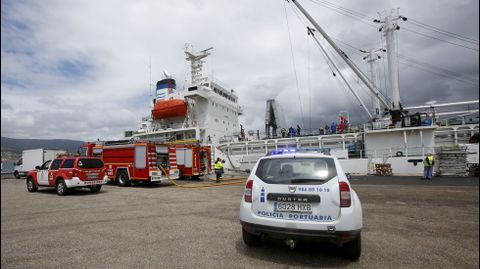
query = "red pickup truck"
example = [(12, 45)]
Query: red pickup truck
[(67, 173)]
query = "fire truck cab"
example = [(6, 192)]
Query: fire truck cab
[(134, 161), (193, 159)]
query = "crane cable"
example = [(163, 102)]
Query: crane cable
[(294, 66)]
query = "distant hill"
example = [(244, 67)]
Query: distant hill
[(18, 145)]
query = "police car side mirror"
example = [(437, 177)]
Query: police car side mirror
[(37, 167)]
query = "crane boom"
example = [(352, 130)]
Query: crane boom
[(354, 68)]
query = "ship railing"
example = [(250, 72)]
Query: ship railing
[(410, 152), (383, 125), (353, 151)]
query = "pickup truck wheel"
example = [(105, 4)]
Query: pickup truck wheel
[(122, 178), (61, 187), (353, 249), (250, 239), (31, 185), (95, 188)]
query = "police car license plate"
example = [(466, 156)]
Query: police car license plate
[(292, 207)]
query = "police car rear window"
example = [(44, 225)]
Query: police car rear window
[(89, 163), (307, 171)]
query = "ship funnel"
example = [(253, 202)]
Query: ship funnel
[(165, 88)]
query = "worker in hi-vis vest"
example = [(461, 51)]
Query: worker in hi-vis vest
[(218, 169), (428, 167)]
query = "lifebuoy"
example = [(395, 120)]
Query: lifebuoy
[(399, 154)]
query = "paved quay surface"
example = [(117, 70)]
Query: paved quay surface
[(408, 223)]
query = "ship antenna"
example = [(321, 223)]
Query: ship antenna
[(150, 82), (196, 64)]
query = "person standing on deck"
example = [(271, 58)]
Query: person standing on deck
[(333, 128), (341, 127)]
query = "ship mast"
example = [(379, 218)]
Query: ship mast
[(196, 64), (389, 26), (372, 59)]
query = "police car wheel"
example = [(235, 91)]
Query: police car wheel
[(250, 239), (353, 249)]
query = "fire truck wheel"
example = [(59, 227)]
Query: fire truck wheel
[(61, 187), (122, 178), (180, 175), (95, 188), (30, 185)]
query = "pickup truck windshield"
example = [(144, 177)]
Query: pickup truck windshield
[(296, 170), (89, 163)]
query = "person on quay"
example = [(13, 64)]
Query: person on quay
[(218, 169), (428, 167)]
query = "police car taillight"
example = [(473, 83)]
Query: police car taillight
[(248, 191), (345, 197)]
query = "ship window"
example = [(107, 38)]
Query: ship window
[(216, 120), (223, 122)]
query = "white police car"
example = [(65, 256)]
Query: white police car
[(301, 196)]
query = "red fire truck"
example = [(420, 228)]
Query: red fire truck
[(193, 159), (134, 161)]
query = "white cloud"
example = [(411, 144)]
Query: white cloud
[(79, 69)]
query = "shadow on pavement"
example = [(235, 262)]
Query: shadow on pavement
[(304, 254)]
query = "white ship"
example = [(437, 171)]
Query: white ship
[(209, 113), (401, 140), (203, 111)]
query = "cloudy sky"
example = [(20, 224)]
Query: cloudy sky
[(80, 69)]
